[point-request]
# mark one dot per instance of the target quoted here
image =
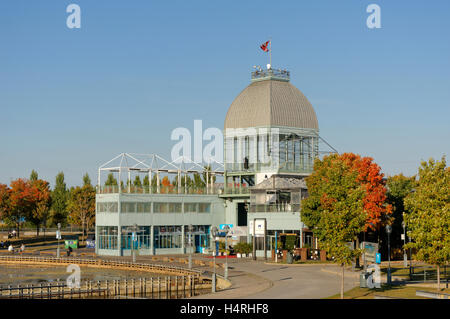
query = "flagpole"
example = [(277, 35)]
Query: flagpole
[(270, 53)]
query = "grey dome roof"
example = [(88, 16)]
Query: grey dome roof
[(271, 103)]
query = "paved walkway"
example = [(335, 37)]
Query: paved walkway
[(259, 280)]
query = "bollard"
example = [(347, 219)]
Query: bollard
[(151, 287), (98, 288), (145, 287), (132, 283), (107, 289), (159, 287), (126, 287), (176, 287)]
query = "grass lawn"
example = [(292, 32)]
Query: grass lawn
[(418, 272), (404, 292)]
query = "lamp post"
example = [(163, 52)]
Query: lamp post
[(58, 236), (405, 257), (190, 229), (214, 234), (134, 230), (226, 229), (389, 231)]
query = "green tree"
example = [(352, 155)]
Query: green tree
[(86, 180), (34, 175), (60, 196), (428, 219), (398, 187), (335, 209), (198, 181), (111, 180), (137, 182), (81, 207)]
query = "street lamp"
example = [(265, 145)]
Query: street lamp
[(389, 231), (58, 236), (214, 234), (226, 229), (134, 229), (405, 258), (190, 229)]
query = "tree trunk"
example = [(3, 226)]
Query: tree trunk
[(17, 226), (37, 230), (438, 278), (357, 265), (342, 282)]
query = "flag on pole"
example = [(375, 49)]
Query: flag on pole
[(265, 46)]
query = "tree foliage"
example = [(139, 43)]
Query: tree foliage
[(333, 209), (428, 220), (86, 180), (81, 206), (398, 187), (41, 203), (60, 196), (346, 197), (111, 180)]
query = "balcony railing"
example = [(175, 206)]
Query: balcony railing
[(163, 190), (274, 208)]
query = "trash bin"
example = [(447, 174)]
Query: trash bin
[(363, 279), (289, 258)]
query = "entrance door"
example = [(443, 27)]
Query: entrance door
[(241, 215), (200, 242)]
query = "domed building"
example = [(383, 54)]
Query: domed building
[(271, 137), (270, 128)]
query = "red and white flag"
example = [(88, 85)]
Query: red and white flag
[(265, 46)]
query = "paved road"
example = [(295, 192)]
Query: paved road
[(258, 280)]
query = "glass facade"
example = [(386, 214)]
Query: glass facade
[(107, 207), (167, 237), (142, 238), (107, 237)]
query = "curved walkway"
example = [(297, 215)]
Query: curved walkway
[(258, 280)]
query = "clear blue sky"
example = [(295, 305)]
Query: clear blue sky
[(72, 99)]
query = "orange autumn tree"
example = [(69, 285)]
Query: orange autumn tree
[(369, 176), (21, 202), (346, 197), (167, 186), (41, 195)]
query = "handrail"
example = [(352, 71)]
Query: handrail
[(101, 262)]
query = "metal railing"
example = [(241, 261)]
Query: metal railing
[(154, 287), (155, 268), (211, 190), (274, 208)]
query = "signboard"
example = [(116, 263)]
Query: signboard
[(370, 251), (403, 237), (378, 258), (58, 234), (239, 231), (222, 226), (259, 227)]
